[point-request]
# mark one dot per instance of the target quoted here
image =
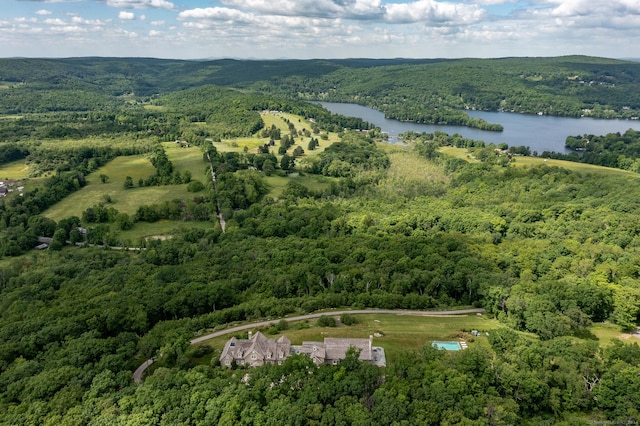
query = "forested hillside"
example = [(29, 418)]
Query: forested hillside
[(430, 91), (277, 207)]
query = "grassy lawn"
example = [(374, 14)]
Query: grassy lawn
[(520, 161), (607, 332), (569, 165), (159, 229), (400, 333), (15, 170), (126, 201), (461, 153), (406, 165), (93, 141), (277, 184), (238, 144), (186, 159)]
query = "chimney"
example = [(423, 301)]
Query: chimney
[(249, 335)]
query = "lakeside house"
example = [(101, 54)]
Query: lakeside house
[(258, 350)]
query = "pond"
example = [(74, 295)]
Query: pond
[(539, 133)]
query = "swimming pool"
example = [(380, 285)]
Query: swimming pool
[(447, 346)]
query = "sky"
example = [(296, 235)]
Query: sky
[(304, 29)]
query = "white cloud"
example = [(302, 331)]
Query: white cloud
[(430, 11), (215, 14), (141, 4), (157, 23), (353, 9), (126, 16), (44, 12), (56, 21), (91, 22)]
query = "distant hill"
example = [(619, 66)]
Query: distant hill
[(403, 88)]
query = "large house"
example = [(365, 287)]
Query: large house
[(255, 351), (258, 350)]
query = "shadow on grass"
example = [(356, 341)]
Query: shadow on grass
[(586, 335)]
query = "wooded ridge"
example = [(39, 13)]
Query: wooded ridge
[(319, 213)]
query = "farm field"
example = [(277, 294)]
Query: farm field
[(126, 201)]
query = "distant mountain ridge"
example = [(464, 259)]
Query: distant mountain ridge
[(402, 88)]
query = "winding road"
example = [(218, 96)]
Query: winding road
[(137, 375)]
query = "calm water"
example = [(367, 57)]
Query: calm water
[(539, 133)]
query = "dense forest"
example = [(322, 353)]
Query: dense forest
[(430, 91), (550, 253)]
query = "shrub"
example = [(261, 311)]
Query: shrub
[(195, 186), (348, 319), (326, 321)]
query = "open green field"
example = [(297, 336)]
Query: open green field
[(277, 184), (607, 332), (238, 144), (184, 158), (160, 229), (521, 161), (406, 165), (400, 333), (269, 119), (569, 165), (95, 142), (126, 201), (461, 153), (15, 170)]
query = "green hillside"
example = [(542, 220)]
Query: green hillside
[(177, 197)]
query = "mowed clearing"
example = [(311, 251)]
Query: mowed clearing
[(521, 161), (14, 170), (137, 167), (395, 333)]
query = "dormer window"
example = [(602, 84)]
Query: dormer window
[(253, 356)]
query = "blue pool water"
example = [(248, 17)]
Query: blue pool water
[(448, 346)]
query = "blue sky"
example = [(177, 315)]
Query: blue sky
[(193, 29)]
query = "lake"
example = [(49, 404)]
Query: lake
[(539, 133)]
